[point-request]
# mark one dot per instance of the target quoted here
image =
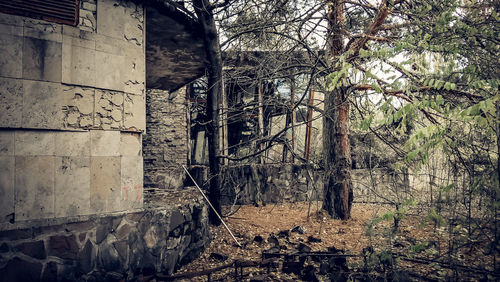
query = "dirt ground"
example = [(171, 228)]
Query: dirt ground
[(256, 227)]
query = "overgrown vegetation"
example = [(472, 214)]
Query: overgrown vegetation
[(419, 78)]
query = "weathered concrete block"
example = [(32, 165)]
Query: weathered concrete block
[(133, 70), (111, 45), (11, 47), (108, 72), (130, 144), (35, 143), (78, 65), (7, 142), (42, 59), (11, 102), (34, 194), (42, 30), (11, 20), (78, 106), (7, 29), (7, 169), (134, 27), (135, 112), (42, 104), (83, 41), (72, 186), (110, 18), (77, 37), (108, 112), (72, 143), (104, 143), (131, 182), (105, 184)]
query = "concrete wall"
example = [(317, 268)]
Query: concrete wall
[(72, 113), (115, 247), (165, 142)]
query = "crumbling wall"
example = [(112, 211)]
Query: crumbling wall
[(165, 142), (270, 183), (72, 113), (380, 185), (106, 248), (274, 183)]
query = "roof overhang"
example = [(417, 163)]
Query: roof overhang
[(175, 53)]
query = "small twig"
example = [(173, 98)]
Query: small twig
[(210, 204)]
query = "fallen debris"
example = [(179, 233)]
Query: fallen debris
[(299, 229), (219, 257), (312, 239), (338, 249)]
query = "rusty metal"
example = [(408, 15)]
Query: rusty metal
[(58, 11)]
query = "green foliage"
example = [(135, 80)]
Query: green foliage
[(436, 218), (417, 248), (398, 214), (334, 79), (365, 123), (423, 140)]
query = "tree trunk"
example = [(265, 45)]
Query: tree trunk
[(309, 125), (293, 119), (214, 77), (336, 147), (260, 99)]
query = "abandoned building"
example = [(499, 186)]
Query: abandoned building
[(97, 117), (73, 139)]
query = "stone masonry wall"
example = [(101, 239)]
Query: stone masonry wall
[(270, 183), (72, 112), (106, 248), (88, 15), (165, 142), (380, 185)]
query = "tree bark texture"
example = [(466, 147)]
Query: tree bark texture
[(338, 194), (214, 76)]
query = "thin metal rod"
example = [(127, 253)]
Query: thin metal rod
[(210, 204)]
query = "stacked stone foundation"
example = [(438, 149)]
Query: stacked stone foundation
[(105, 248)]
